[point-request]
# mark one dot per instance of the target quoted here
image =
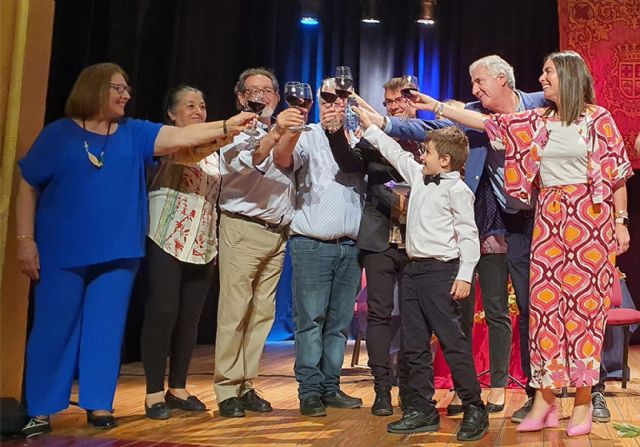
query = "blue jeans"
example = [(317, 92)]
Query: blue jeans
[(326, 278)]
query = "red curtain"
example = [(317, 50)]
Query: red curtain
[(607, 34)]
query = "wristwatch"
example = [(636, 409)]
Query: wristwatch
[(622, 220)]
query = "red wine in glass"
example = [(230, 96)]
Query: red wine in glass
[(329, 97), (294, 101), (306, 103), (256, 107), (408, 92), (343, 87)]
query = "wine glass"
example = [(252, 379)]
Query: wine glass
[(295, 95), (408, 88), (256, 101), (328, 90), (344, 82), (329, 96)]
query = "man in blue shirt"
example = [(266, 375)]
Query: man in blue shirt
[(324, 256)]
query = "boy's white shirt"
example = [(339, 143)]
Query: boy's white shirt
[(440, 219)]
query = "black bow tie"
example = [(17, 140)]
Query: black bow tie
[(432, 179)]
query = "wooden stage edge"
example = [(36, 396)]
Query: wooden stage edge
[(286, 427)]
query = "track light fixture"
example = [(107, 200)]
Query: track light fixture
[(370, 11), (427, 12), (310, 12)]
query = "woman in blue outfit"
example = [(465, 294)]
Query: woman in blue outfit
[(81, 218)]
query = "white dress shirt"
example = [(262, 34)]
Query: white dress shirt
[(440, 220), (263, 191)]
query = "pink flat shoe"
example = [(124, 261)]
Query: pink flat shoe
[(581, 429), (548, 420)]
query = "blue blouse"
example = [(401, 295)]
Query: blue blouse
[(87, 215)]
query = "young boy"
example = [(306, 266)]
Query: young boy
[(442, 243)]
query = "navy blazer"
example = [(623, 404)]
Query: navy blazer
[(416, 129)]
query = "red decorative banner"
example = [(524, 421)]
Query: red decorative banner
[(607, 35)]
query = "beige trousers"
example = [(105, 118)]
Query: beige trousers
[(251, 259)]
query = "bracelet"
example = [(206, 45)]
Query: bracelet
[(622, 221), (22, 237), (440, 112), (621, 213), (224, 128)]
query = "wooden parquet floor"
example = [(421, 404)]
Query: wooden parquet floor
[(286, 427)]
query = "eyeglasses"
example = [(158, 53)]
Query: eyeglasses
[(265, 91), (389, 102), (120, 88)]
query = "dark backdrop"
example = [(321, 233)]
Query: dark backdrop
[(207, 43)]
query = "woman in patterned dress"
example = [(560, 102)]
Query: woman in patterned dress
[(181, 251), (572, 154)]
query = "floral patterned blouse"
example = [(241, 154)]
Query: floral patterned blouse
[(524, 136), (182, 209)]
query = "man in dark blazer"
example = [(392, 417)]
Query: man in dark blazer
[(382, 257)]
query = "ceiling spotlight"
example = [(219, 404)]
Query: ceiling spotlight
[(427, 12), (370, 11), (310, 12)]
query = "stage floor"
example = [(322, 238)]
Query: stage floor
[(286, 427)]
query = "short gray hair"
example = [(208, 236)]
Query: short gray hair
[(495, 67), (239, 87)]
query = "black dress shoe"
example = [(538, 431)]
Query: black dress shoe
[(382, 404), (600, 411), (191, 403), (416, 421), (453, 409), (312, 406), (253, 402), (101, 421), (159, 411), (231, 408), (494, 408), (338, 399), (475, 423)]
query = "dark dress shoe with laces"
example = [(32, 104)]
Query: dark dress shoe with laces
[(475, 423), (159, 411), (253, 402), (494, 408), (231, 408), (600, 411), (382, 404), (416, 421), (101, 421), (453, 410), (338, 399), (312, 406), (191, 403)]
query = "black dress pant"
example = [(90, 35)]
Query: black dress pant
[(383, 270), (176, 294), (427, 308)]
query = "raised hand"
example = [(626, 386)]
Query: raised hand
[(288, 118), (365, 117), (423, 102), (239, 122)]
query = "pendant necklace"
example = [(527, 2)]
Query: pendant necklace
[(98, 162)]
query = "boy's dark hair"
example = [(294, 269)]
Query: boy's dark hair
[(450, 141)]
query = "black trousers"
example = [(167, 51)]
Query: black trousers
[(176, 295), (383, 270), (427, 308)]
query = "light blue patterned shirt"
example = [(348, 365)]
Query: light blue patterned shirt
[(328, 201)]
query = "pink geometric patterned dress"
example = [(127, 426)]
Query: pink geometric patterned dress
[(573, 248)]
